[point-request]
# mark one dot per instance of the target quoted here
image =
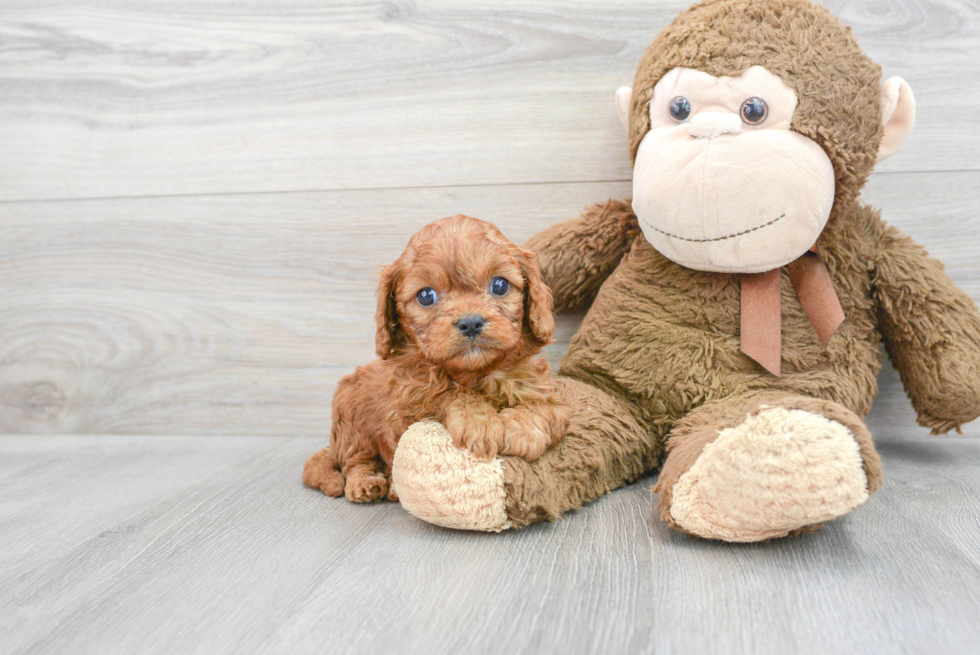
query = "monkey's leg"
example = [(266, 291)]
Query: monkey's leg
[(765, 466), (605, 447)]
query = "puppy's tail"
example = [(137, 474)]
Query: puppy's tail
[(322, 471)]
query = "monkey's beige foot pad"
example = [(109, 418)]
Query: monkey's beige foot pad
[(443, 484), (778, 471)]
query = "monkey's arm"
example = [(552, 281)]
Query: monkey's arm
[(577, 256), (931, 330)]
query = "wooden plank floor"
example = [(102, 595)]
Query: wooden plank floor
[(185, 545)]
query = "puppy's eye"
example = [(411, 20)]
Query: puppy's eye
[(754, 111), (499, 286), (680, 109), (427, 297)]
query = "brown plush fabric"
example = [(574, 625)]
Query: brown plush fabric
[(661, 340), (931, 331), (578, 257), (659, 347), (608, 446)]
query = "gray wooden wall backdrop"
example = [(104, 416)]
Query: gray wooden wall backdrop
[(195, 196)]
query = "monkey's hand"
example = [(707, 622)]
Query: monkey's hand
[(475, 424), (931, 330), (577, 256)]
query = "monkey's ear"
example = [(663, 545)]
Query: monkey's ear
[(624, 96), (897, 115), (389, 335)]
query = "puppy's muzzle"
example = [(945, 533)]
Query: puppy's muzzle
[(471, 325)]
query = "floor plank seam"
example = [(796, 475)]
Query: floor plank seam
[(478, 185)]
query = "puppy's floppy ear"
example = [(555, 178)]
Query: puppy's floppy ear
[(538, 317), (390, 336)]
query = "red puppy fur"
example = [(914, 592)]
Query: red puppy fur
[(461, 314)]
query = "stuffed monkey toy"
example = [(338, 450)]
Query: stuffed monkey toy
[(738, 304)]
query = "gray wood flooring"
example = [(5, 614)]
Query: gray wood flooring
[(194, 199), (186, 545)]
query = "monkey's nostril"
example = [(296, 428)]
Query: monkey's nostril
[(471, 325), (713, 124)]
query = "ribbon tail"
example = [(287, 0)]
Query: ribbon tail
[(761, 319), (813, 285)]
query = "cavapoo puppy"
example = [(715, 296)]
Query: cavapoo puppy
[(461, 314)]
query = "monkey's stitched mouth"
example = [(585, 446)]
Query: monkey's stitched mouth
[(730, 236)]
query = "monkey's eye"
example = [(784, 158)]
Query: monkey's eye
[(427, 297), (754, 111), (499, 286), (680, 109)]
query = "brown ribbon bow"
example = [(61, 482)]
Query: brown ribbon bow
[(761, 316)]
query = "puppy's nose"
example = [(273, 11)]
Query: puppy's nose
[(471, 325)]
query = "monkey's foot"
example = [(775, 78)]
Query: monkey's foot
[(779, 471), (443, 484)]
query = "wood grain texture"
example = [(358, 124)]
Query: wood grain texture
[(238, 314), (212, 315), (138, 97), (164, 545)]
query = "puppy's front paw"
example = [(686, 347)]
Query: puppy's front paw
[(476, 427), (529, 433), (523, 436)]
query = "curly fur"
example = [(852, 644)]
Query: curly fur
[(490, 391)]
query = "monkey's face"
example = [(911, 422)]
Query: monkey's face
[(720, 182)]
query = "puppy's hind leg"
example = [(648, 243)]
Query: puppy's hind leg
[(322, 471), (366, 481)]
